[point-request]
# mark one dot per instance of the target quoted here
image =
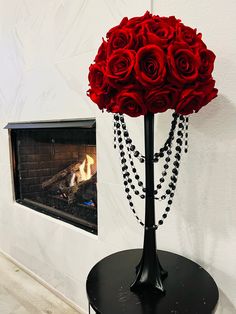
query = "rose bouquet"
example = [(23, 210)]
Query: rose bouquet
[(151, 64)]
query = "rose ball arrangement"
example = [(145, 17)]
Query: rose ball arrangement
[(152, 64)]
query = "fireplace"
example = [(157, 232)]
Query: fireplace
[(55, 169)]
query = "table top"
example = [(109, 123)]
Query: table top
[(189, 288)]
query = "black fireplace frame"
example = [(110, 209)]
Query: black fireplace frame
[(12, 128)]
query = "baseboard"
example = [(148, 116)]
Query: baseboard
[(44, 283)]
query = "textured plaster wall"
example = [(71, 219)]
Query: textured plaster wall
[(45, 50)]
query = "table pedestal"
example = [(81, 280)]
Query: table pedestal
[(189, 288)]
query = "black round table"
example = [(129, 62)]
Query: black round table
[(189, 288)]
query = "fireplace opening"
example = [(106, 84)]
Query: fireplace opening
[(55, 169)]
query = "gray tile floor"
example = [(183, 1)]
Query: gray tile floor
[(21, 294)]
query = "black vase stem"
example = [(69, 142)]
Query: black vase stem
[(149, 270)]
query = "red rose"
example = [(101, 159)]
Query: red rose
[(183, 63), (121, 38), (130, 102), (171, 20), (102, 99), (96, 76), (161, 100), (99, 99), (188, 35), (157, 32), (194, 98), (115, 28), (207, 63), (134, 21), (150, 66), (119, 66), (102, 52), (210, 90)]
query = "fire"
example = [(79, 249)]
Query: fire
[(85, 168), (84, 173)]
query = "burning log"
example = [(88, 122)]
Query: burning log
[(61, 175), (74, 183)]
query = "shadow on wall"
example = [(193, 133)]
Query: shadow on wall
[(206, 206), (225, 306)]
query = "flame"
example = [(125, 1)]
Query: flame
[(85, 168)]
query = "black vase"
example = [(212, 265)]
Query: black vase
[(150, 273)]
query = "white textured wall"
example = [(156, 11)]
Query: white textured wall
[(46, 47)]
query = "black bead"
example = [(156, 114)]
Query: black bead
[(179, 141), (162, 180), (144, 189), (168, 191), (172, 194), (178, 148), (136, 153), (122, 154), (119, 139), (142, 196), (134, 170), (132, 147), (170, 202), (140, 183), (160, 222), (127, 190), (141, 160), (175, 171), (128, 197), (118, 125), (116, 117), (179, 133), (131, 163), (125, 183), (128, 141), (136, 176), (126, 134), (164, 173), (131, 204), (167, 209), (132, 186), (172, 186), (176, 164), (166, 166), (177, 156), (167, 159), (119, 132), (169, 152), (123, 160), (164, 216), (155, 192), (159, 186), (136, 192), (129, 180), (163, 197), (161, 154)]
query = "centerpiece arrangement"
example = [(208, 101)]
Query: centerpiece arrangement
[(147, 65)]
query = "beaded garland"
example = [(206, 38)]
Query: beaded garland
[(128, 151)]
